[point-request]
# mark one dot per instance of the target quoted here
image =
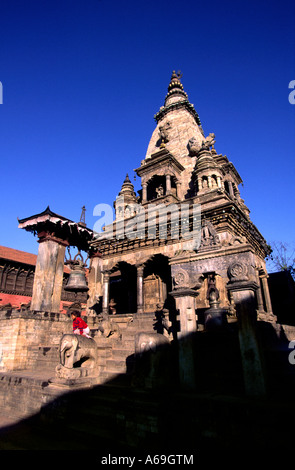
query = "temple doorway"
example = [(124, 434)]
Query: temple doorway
[(123, 294), (157, 283)]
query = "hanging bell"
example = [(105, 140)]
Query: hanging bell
[(77, 280)]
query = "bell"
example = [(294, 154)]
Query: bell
[(77, 280)]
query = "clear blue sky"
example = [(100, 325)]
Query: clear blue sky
[(82, 81)]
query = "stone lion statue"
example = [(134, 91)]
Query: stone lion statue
[(107, 327)]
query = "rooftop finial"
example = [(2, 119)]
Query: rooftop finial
[(175, 88), (82, 218), (177, 75), (127, 179), (175, 80)]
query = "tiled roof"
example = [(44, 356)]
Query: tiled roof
[(17, 255), (21, 256)]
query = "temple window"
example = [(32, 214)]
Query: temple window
[(156, 187), (214, 181), (205, 183)]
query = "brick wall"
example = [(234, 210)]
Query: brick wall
[(25, 336)]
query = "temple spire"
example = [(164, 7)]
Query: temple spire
[(127, 179), (176, 99), (175, 89), (124, 204)]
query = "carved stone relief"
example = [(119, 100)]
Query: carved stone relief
[(180, 279), (209, 236), (238, 271)]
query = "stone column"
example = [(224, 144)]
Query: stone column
[(231, 190), (185, 301), (178, 186), (140, 270), (49, 273), (260, 306), (168, 184), (106, 292), (144, 192), (266, 294), (243, 290), (94, 283), (200, 186)]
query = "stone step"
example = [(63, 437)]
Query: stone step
[(122, 353), (128, 344), (116, 365), (140, 325), (40, 357), (111, 377)]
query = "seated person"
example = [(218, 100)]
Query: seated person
[(80, 327)]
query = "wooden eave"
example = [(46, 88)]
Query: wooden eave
[(74, 232)]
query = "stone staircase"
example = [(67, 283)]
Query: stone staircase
[(43, 357), (120, 360), (116, 354)]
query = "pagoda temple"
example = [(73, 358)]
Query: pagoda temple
[(183, 178), (180, 324)]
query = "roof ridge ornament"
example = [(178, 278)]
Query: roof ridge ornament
[(82, 217)]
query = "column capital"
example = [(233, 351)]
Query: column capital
[(96, 254), (140, 269), (106, 274), (48, 236), (242, 285), (184, 292)]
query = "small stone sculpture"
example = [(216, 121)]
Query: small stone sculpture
[(208, 142), (163, 133), (108, 327), (193, 146)]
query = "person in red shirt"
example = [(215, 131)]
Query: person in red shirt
[(80, 327)]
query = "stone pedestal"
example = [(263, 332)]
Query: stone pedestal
[(49, 271), (243, 294), (185, 300)]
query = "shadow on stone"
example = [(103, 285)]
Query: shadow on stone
[(147, 410)]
